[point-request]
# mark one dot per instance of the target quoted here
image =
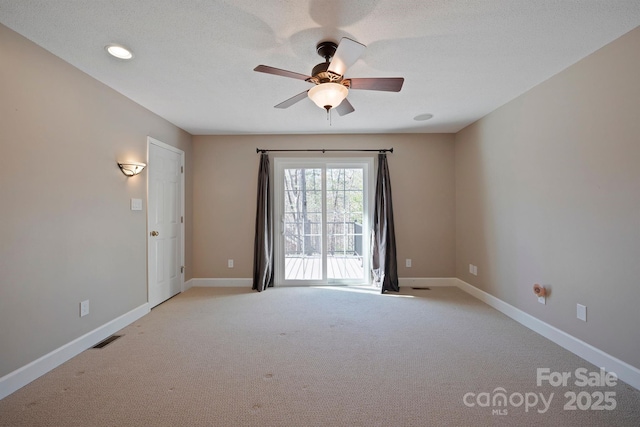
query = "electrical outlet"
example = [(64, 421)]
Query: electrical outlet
[(581, 312), (84, 308), (408, 262), (230, 263), (473, 269)]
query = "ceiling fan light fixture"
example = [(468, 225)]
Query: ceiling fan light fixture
[(328, 95)]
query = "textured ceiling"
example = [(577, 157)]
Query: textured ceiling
[(194, 60)]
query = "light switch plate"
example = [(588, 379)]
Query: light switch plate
[(136, 204)]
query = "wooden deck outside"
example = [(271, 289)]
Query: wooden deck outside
[(310, 268)]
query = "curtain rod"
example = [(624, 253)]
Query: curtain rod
[(324, 150)]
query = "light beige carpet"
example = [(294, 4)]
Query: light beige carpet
[(318, 357)]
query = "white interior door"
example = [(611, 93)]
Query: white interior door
[(322, 232), (165, 221)]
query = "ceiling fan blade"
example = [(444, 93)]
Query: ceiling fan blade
[(289, 102), (346, 55), (279, 72), (388, 84), (345, 108)]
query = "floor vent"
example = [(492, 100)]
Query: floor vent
[(106, 342), (421, 289)]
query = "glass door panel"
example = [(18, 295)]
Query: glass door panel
[(303, 224), (345, 211)]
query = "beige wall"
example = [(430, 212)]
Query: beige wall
[(545, 189), (225, 179), (548, 191), (66, 231)]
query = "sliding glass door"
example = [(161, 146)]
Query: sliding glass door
[(323, 230)]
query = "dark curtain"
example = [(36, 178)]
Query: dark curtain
[(384, 261), (263, 244)]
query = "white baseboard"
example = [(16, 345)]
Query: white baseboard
[(221, 283), (23, 376), (626, 372), (413, 282), (187, 285), (427, 282)]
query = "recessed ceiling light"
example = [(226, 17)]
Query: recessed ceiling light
[(423, 117), (119, 51)]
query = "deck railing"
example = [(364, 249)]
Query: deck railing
[(305, 238)]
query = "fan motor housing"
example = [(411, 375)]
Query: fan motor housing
[(320, 73), (319, 69)]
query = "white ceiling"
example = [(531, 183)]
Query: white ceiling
[(194, 60)]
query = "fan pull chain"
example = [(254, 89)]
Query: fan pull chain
[(328, 108)]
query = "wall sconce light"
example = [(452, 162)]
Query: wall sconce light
[(131, 168)]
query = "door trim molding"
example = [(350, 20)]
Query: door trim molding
[(279, 164), (157, 143)]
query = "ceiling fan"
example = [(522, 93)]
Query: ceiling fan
[(331, 87)]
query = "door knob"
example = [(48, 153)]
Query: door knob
[(155, 233)]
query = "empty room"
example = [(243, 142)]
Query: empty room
[(319, 213)]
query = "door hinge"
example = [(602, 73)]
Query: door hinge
[(181, 169), (182, 269), (181, 220)]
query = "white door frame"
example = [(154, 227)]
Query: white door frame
[(280, 163), (161, 144)]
